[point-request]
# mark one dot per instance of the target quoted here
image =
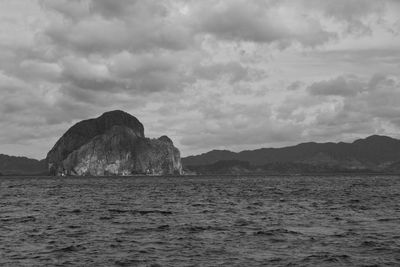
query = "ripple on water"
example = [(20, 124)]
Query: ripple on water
[(200, 221)]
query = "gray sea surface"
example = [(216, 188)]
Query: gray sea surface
[(200, 221)]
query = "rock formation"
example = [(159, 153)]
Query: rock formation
[(112, 144)]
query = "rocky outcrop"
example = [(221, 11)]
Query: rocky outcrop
[(113, 144)]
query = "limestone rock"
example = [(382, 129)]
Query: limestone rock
[(113, 144)]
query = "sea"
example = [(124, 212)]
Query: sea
[(329, 220)]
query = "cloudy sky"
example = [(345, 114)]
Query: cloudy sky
[(229, 74)]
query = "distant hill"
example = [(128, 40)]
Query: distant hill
[(11, 165), (374, 153)]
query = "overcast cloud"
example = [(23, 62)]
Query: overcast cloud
[(232, 74)]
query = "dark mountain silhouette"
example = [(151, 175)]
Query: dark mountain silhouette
[(11, 165), (374, 153)]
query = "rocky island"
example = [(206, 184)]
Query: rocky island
[(112, 144)]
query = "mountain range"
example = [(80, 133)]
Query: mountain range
[(12, 165), (375, 153)]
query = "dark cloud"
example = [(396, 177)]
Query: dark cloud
[(260, 22), (234, 71), (340, 86), (295, 86), (107, 27)]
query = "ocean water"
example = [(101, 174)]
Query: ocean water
[(200, 221)]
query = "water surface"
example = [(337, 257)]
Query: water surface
[(200, 221)]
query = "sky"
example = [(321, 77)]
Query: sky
[(210, 74)]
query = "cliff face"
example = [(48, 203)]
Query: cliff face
[(113, 144)]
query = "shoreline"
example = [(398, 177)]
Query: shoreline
[(203, 175)]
